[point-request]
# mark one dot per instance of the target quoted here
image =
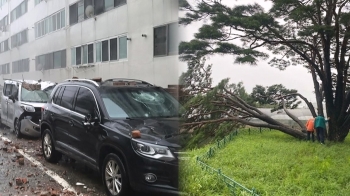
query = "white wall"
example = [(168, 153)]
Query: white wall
[(135, 18)]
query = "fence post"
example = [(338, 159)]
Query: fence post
[(236, 132), (260, 129), (249, 131)]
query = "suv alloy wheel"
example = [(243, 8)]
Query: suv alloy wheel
[(48, 148), (114, 177)]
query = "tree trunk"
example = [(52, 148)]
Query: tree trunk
[(336, 133)]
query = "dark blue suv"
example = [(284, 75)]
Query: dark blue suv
[(125, 129)]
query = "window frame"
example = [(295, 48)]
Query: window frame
[(73, 98), (50, 23), (167, 43), (127, 47), (109, 48), (76, 99)]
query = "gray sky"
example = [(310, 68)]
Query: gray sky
[(294, 77)]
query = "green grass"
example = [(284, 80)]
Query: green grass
[(196, 181), (274, 164)]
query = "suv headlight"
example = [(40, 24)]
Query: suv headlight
[(152, 151), (28, 108)]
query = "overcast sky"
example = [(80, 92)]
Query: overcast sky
[(294, 77)]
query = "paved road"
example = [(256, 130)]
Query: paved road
[(23, 177)]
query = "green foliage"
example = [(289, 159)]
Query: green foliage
[(277, 164), (272, 96)]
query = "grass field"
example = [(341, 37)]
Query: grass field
[(274, 164)]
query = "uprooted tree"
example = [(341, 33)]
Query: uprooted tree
[(216, 110), (310, 33)]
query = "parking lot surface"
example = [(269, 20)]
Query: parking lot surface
[(24, 171)]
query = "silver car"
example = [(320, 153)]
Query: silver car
[(21, 104)]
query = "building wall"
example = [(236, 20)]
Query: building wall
[(135, 18)]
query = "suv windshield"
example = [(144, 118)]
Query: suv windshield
[(139, 102), (41, 96)]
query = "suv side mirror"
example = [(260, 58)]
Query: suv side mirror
[(90, 120)]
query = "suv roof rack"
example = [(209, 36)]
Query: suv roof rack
[(83, 80), (126, 81)]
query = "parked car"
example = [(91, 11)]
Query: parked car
[(21, 104), (125, 129)]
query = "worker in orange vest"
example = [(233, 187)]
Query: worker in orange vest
[(310, 129)]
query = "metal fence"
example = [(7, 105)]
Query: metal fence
[(233, 186)]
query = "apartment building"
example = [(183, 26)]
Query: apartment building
[(59, 39)]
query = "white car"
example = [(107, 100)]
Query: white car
[(21, 104)]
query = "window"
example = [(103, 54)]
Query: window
[(8, 89), (105, 56), (81, 11), (166, 40), (3, 23), (20, 10), (98, 52), (87, 3), (58, 95), (54, 26), (5, 68), (109, 4), (38, 1), (173, 42), (78, 55), (85, 54), (99, 7), (48, 61), (160, 41), (68, 97), (90, 53), (73, 59), (82, 54), (77, 10), (63, 18), (57, 59), (51, 60), (2, 2), (19, 39), (20, 66), (4, 46), (50, 24), (113, 49), (123, 50), (119, 2), (85, 102), (73, 14)]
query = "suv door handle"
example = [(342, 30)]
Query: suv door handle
[(71, 123)]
